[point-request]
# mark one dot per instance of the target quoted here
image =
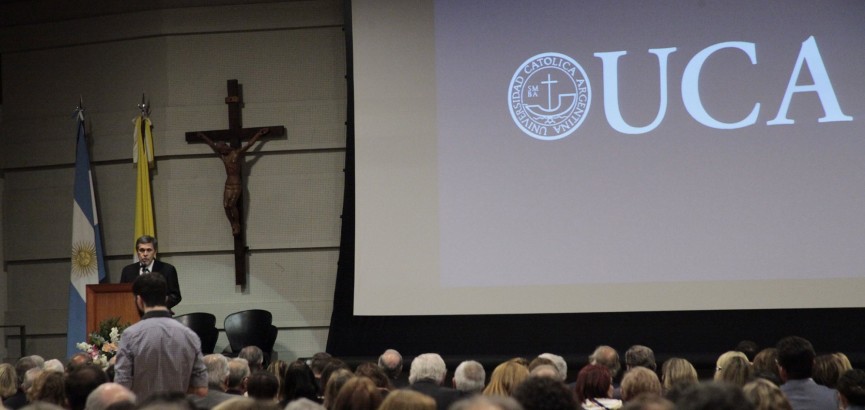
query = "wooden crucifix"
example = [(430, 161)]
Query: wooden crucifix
[(228, 145)]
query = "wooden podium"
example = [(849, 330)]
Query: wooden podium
[(110, 300)]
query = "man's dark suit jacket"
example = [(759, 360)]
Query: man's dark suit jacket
[(132, 271)]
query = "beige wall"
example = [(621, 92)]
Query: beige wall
[(289, 58)]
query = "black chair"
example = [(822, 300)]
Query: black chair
[(204, 325), (251, 328)]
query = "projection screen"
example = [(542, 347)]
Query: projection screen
[(607, 156)]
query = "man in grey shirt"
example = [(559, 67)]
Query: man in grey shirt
[(158, 353)]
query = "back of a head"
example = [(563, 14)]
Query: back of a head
[(22, 366), (8, 380), (640, 380), (217, 369), (335, 382), (649, 402), (559, 362), (505, 378), (827, 369), (245, 403), (152, 289), (593, 382), (737, 371), (254, 356), (108, 394), (238, 370), (470, 377), (358, 393), (262, 386), (166, 400), (391, 362), (49, 387), (765, 395), (640, 356), (608, 357), (677, 372), (851, 387), (486, 403), (374, 373), (796, 357), (428, 366), (299, 381), (304, 404), (404, 399), (765, 365), (80, 382), (713, 396), (544, 393), (748, 347), (318, 362), (78, 359)]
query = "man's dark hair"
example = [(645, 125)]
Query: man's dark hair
[(80, 382), (545, 393), (152, 288), (796, 357), (145, 239), (851, 385), (262, 385), (642, 356), (713, 396), (319, 361), (749, 347)]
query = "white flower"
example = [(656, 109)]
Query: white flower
[(84, 346), (114, 335)]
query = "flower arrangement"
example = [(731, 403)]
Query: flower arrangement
[(102, 344)]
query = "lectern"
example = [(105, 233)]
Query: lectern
[(110, 300)]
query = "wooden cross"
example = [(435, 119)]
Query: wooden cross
[(228, 145)]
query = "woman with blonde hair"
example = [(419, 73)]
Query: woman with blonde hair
[(505, 378), (677, 373), (765, 395), (8, 382), (407, 400), (736, 371), (828, 368), (358, 393)]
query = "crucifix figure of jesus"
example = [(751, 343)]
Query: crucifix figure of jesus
[(233, 183), (228, 144)]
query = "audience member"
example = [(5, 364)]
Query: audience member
[(639, 380), (505, 378), (299, 382), (48, 387), (82, 379), (649, 402), (407, 400), (359, 393), (640, 356), (559, 362), (238, 373), (317, 363), (724, 359), (376, 374), (736, 371), (481, 402), (765, 395), (8, 381), (107, 395), (828, 368), (677, 374), (426, 375), (158, 353), (851, 389), (333, 365), (19, 399), (713, 396), (541, 361), (594, 388), (278, 368), (217, 382), (245, 403), (78, 359), (262, 386), (254, 357), (469, 378), (545, 370), (54, 365), (544, 393), (608, 357), (335, 382), (765, 365), (796, 361), (391, 362), (167, 400), (304, 404), (749, 348)]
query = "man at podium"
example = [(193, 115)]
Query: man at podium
[(146, 249)]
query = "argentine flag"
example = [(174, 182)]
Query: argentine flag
[(88, 266)]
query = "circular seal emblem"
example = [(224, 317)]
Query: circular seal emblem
[(549, 96)]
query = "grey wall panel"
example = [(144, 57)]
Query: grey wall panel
[(37, 218)]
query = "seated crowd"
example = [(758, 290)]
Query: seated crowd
[(788, 376)]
